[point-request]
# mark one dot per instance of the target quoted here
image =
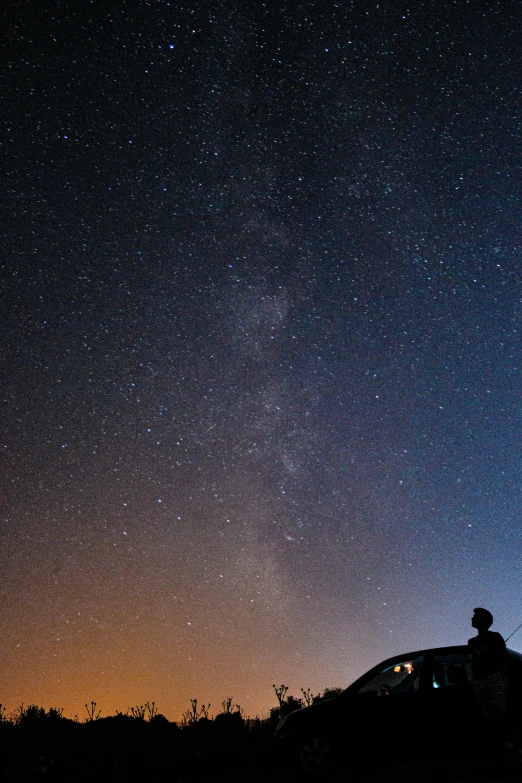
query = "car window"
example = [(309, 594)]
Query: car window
[(400, 677), (451, 671)]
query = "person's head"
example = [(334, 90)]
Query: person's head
[(482, 619)]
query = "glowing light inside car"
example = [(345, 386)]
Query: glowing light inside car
[(403, 667)]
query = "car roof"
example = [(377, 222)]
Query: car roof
[(427, 653)]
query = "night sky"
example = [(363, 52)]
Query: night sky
[(261, 343)]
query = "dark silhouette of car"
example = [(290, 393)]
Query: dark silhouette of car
[(413, 706)]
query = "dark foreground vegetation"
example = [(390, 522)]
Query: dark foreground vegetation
[(46, 746), (142, 745)]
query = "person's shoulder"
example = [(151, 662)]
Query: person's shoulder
[(496, 636)]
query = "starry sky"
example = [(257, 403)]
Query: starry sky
[(261, 357)]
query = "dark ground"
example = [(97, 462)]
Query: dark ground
[(123, 749)]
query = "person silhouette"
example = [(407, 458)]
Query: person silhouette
[(488, 664)]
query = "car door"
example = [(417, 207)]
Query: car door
[(390, 708), (453, 719)]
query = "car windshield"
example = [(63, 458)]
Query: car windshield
[(399, 677)]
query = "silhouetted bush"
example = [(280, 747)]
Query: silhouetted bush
[(140, 744), (328, 693)]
